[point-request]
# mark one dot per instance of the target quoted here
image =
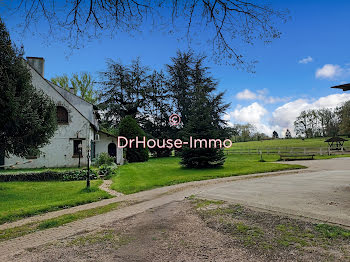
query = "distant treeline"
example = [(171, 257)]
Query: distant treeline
[(325, 122), (246, 132)]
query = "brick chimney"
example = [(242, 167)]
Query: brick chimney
[(37, 63)]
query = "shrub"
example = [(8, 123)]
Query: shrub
[(104, 159), (42, 176), (129, 128), (48, 176), (106, 171), (79, 175)]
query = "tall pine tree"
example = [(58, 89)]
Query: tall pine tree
[(204, 121), (180, 83), (124, 91), (27, 116), (156, 112)]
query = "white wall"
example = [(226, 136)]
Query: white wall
[(102, 146), (60, 151)]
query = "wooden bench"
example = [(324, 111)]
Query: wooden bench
[(291, 157)]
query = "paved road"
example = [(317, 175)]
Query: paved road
[(323, 193)]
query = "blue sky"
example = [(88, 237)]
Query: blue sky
[(272, 97)]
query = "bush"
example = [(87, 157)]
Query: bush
[(106, 171), (104, 159), (79, 175), (48, 176), (42, 176), (129, 128)]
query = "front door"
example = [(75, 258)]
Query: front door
[(112, 150)]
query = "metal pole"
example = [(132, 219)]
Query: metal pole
[(79, 157), (88, 170)]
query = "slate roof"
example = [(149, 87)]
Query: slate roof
[(86, 109)]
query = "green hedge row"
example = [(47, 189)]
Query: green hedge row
[(48, 176)]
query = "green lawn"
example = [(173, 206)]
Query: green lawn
[(22, 230), (294, 142), (160, 172), (22, 199)]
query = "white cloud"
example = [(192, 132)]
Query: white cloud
[(306, 60), (250, 114), (330, 71), (261, 95), (283, 117), (246, 95), (227, 118)]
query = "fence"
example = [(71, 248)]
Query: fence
[(286, 150)]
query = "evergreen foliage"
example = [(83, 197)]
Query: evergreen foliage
[(27, 116), (288, 134), (156, 113), (124, 91), (204, 120), (129, 129), (274, 135)]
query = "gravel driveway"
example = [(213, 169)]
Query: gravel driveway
[(323, 193)]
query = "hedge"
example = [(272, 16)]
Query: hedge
[(48, 176)]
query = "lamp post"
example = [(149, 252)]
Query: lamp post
[(80, 147), (88, 168)]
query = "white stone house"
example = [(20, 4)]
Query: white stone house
[(77, 124)]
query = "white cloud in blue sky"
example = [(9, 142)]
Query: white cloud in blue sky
[(246, 94), (331, 72), (306, 60), (283, 117), (249, 114), (261, 95)]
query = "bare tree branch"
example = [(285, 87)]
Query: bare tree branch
[(225, 22)]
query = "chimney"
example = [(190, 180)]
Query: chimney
[(37, 63)]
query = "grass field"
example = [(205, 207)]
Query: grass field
[(22, 199), (160, 172), (294, 142), (22, 230)]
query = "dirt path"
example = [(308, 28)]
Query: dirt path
[(106, 186), (194, 231), (147, 200), (166, 233)]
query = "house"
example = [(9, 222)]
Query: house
[(78, 129)]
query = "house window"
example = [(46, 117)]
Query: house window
[(76, 149), (62, 115), (93, 149)]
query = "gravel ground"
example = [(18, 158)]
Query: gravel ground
[(197, 230)]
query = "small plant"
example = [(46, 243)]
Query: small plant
[(79, 175), (330, 231), (106, 171), (104, 159)]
